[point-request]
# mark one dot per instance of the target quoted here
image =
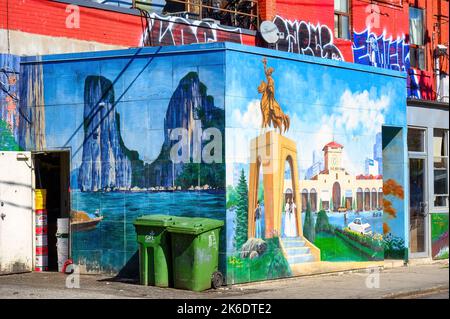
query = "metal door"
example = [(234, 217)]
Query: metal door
[(16, 212)]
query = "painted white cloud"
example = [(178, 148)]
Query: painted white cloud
[(251, 118), (357, 112), (354, 123)]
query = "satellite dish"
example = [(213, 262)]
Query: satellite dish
[(269, 32)]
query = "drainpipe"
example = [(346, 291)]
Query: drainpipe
[(437, 73)]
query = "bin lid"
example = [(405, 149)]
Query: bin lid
[(155, 220), (194, 225)]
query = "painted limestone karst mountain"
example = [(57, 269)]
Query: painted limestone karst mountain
[(107, 164)]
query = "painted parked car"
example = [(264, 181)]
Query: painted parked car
[(359, 226)]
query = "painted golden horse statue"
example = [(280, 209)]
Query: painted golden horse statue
[(270, 109)]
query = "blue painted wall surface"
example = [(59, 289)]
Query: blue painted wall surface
[(115, 115), (115, 110), (326, 102)]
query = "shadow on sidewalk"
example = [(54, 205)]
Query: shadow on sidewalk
[(129, 273)]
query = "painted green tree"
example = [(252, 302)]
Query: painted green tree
[(7, 141), (241, 235), (308, 227), (322, 222)]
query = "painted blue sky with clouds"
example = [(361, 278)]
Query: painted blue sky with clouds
[(324, 103)]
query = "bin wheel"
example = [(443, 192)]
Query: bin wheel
[(217, 280)]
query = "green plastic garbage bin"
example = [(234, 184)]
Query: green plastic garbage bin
[(195, 253), (155, 266)]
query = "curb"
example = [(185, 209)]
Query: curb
[(419, 292)]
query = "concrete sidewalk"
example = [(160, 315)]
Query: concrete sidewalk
[(414, 281)]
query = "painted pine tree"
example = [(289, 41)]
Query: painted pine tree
[(308, 227), (241, 234)]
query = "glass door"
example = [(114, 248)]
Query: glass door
[(418, 196), (418, 208)]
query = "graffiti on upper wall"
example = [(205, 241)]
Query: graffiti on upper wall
[(179, 31), (305, 38), (381, 51), (413, 85)]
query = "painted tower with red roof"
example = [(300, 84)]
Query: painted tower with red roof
[(333, 156)]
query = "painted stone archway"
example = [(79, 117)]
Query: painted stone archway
[(270, 152)]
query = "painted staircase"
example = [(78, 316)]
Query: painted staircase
[(296, 250)]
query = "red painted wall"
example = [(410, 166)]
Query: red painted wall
[(314, 11), (103, 26), (49, 18)]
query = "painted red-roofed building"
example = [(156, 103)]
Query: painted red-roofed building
[(335, 189)]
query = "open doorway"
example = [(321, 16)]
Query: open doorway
[(52, 173)]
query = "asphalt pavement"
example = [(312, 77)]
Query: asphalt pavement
[(430, 281)]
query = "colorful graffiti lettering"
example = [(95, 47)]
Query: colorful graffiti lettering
[(179, 31), (380, 51), (413, 85), (305, 38)]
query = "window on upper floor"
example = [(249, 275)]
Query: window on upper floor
[(416, 38), (342, 19), (440, 167), (237, 13)]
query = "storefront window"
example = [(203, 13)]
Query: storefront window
[(416, 140), (440, 167)]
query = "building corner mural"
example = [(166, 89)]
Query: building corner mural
[(299, 172), (116, 184), (314, 183)]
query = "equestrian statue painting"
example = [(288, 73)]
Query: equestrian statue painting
[(270, 109)]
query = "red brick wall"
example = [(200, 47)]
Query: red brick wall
[(267, 9), (49, 18), (314, 11), (103, 26)]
